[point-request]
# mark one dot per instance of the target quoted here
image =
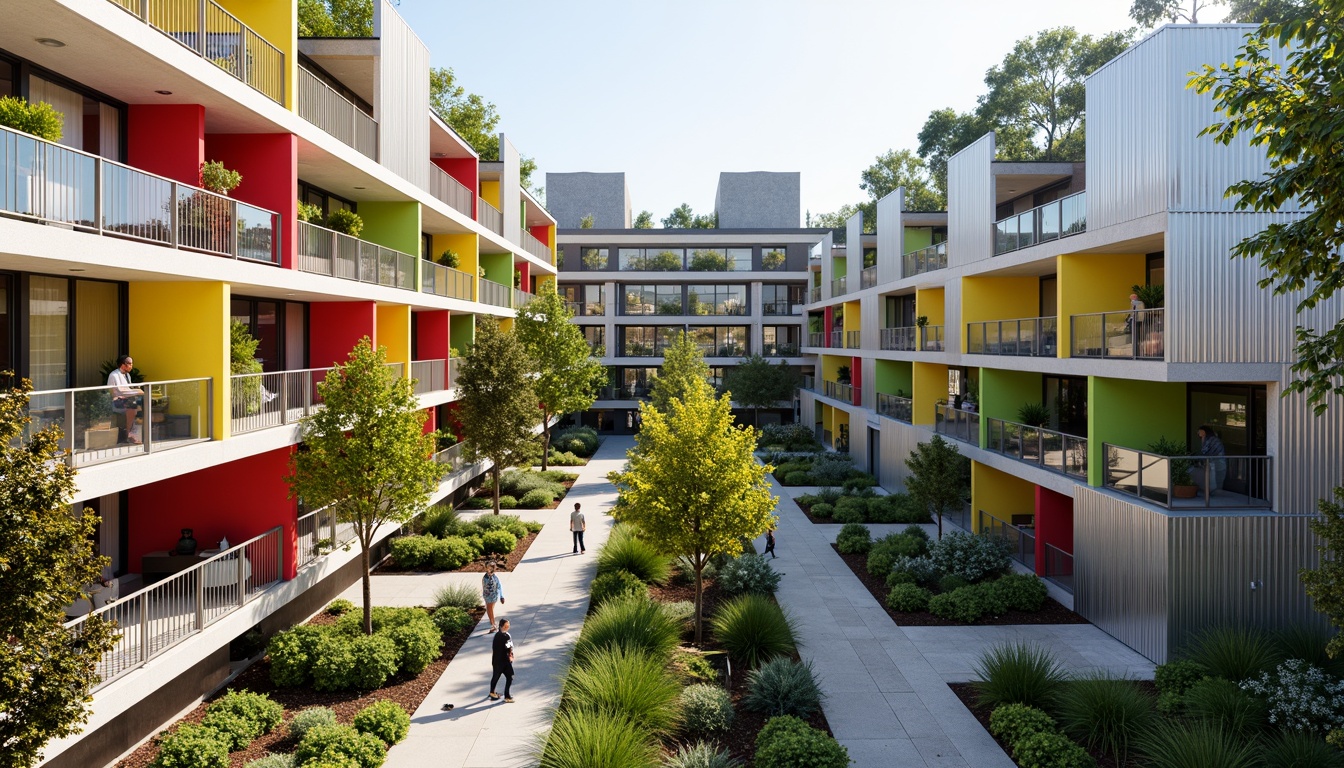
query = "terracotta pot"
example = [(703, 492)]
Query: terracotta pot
[(1184, 491)]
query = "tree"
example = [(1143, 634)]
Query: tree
[(1258, 11), (498, 407), (682, 374), (940, 478), (757, 384), (335, 18), (681, 217), (1149, 12), (644, 220), (1292, 111), (901, 168), (1325, 585), (365, 454), (474, 118), (568, 376), (47, 557), (692, 484), (586, 222), (834, 221)]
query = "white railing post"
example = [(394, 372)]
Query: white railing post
[(200, 603), (242, 577), (144, 629), (173, 218), (147, 414), (201, 27)]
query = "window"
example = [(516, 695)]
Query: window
[(6, 327), (869, 257), (715, 377), (636, 382), (646, 341), (323, 199), (92, 124), (739, 259), (651, 259), (780, 340), (774, 259), (49, 332), (781, 298), (652, 299), (720, 340), (720, 260), (596, 337), (594, 259), (584, 299), (716, 300), (279, 327)]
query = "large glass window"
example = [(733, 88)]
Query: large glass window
[(780, 340), (595, 335), (781, 298), (6, 327), (719, 260), (651, 259), (267, 321), (594, 259), (774, 259), (646, 340), (97, 330), (584, 299), (91, 124), (49, 332), (323, 199), (716, 300), (652, 299), (636, 382), (720, 340)]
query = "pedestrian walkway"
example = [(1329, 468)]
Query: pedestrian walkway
[(886, 690), (546, 599)]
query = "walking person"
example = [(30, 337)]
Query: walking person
[(770, 541), (491, 591), (577, 525), (501, 661)]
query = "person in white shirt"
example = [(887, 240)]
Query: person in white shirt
[(577, 525), (126, 398)]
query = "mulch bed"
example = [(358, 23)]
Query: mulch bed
[(405, 690), (1051, 613), (509, 562)]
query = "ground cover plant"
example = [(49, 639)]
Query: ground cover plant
[(524, 489), (790, 438), (449, 543), (857, 501), (823, 468), (573, 446)]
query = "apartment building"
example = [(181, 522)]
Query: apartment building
[(738, 290), (109, 245), (1020, 296)]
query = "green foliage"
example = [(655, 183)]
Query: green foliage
[(940, 478), (1105, 714), (497, 403), (967, 604), (417, 644), (974, 557), (272, 761), (1177, 676), (850, 514), (309, 213), (630, 623), (452, 553), (451, 620), (583, 738), (630, 683), (899, 168), (1224, 704), (683, 218), (440, 521), (1018, 591), (625, 550), (1288, 749), (1234, 653), (1014, 722), (909, 598), (821, 509), (797, 478), (339, 743), (39, 119), (463, 596), (854, 539), (1308, 643), (952, 582), (292, 653), (755, 383), (692, 666), (308, 719), (644, 220), (473, 118), (682, 374), (384, 719), (373, 659), (499, 542), (340, 607), (567, 376), (753, 629), (234, 731), (346, 222), (1033, 415), (1050, 750), (614, 584), (255, 709), (216, 178), (1177, 469), (748, 573), (782, 686), (1185, 745), (787, 742), (413, 551), (700, 755), (705, 710), (1325, 584), (586, 436), (335, 18), (193, 746), (883, 554), (1017, 673), (536, 499)]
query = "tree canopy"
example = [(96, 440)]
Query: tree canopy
[(940, 478), (644, 220), (473, 118), (1293, 113), (755, 383), (683, 373), (365, 453), (335, 18), (497, 405), (900, 168), (682, 217)]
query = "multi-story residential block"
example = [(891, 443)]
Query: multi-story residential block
[(738, 290), (1021, 297), (110, 245)]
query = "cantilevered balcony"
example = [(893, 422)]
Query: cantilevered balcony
[(839, 286), (1052, 221), (265, 400), (842, 392), (326, 252), (446, 281), (323, 106), (924, 260), (1021, 539), (957, 424), (895, 407), (173, 414), (1190, 482), (868, 277), (817, 339), (47, 182), (1046, 448), (429, 375), (899, 339), (449, 190), (1029, 337), (535, 247), (522, 298), (1128, 335), (836, 340), (814, 294), (490, 217), (853, 339), (493, 293)]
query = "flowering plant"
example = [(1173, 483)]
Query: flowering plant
[(1301, 697)]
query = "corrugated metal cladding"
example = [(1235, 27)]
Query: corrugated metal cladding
[(970, 203), (868, 366), (853, 253), (954, 331), (890, 236), (510, 190), (898, 440), (1307, 464), (870, 335), (402, 101)]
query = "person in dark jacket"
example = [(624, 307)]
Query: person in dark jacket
[(770, 541), (501, 660)]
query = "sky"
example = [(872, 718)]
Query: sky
[(672, 93)]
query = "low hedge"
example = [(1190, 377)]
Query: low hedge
[(340, 657), (788, 742)]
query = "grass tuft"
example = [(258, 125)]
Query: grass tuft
[(753, 629), (1017, 673)]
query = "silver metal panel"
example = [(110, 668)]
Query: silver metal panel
[(853, 253), (970, 203), (870, 336), (510, 191), (897, 442), (1306, 450), (954, 331), (401, 100), (890, 237)]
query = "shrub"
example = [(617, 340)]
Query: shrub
[(450, 619), (1300, 750), (849, 515), (231, 729), (308, 719), (629, 623), (628, 682), (797, 477), (40, 119), (896, 578), (852, 504), (701, 755), (384, 719), (854, 539), (1300, 697), (536, 499), (686, 570), (828, 495), (1014, 722), (564, 459), (884, 553), (292, 654), (831, 468), (1050, 750), (345, 222), (908, 598), (966, 604), (478, 502), (626, 551), (1104, 714), (889, 509), (508, 502), (272, 761), (582, 738), (917, 532), (1181, 745), (951, 583), (451, 553), (1016, 673), (418, 644), (921, 568), (787, 742), (340, 607), (244, 716), (523, 481), (1177, 676), (782, 686), (413, 551), (855, 484), (441, 521), (748, 573), (753, 629), (499, 542), (586, 436), (1307, 642), (464, 596), (334, 742), (822, 510), (334, 663), (614, 584), (1019, 591), (705, 709), (1234, 653), (971, 557), (1223, 704), (376, 658), (694, 667), (192, 746)]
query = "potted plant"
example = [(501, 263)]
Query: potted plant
[(517, 278), (309, 213), (842, 374), (921, 321), (1152, 296), (218, 179), (39, 119), (450, 259), (1033, 414), (1179, 469), (480, 271), (345, 222)]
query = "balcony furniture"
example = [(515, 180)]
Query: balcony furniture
[(160, 564), (223, 573)]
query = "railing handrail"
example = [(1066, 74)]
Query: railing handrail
[(1045, 430), (1125, 311), (1041, 206), (935, 247), (1011, 320), (276, 373), (132, 385), (336, 93), (530, 242), (1195, 457), (357, 239)]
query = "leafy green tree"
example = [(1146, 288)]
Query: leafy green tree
[(755, 383), (940, 478), (834, 221), (335, 18), (900, 168), (365, 453), (681, 217), (1151, 12), (1258, 11), (586, 222), (705, 221), (47, 557), (644, 220), (497, 404), (474, 119), (682, 374), (568, 376), (1292, 112), (692, 484), (1325, 584)]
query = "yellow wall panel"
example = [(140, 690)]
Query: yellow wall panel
[(490, 192), (394, 332), (929, 386), (1094, 282), (180, 330), (929, 302), (1000, 494)]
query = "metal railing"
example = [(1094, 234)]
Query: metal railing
[(843, 392), (868, 277), (160, 616), (172, 414), (449, 190), (451, 457), (852, 340), (219, 37), (265, 400), (489, 217), (454, 368), (429, 375), (780, 349), (319, 533), (776, 308), (535, 247), (1179, 482), (839, 286), (931, 338), (326, 252), (495, 294), (1128, 335), (1052, 221), (928, 259), (48, 182), (1021, 539), (1028, 337), (446, 281), (827, 439), (836, 340), (810, 383), (895, 407), (814, 294), (522, 298), (1059, 567), (816, 339), (898, 339), (1046, 448), (325, 107), (957, 424)]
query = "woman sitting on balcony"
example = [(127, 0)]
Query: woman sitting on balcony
[(126, 398)]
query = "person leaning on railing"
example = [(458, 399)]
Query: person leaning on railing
[(126, 398), (1211, 445)]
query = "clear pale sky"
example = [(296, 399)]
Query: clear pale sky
[(672, 93)]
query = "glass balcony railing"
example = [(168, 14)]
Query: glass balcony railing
[(522, 298), (816, 339), (1052, 221), (322, 106), (1030, 337), (780, 349), (1128, 335), (810, 384), (265, 400), (454, 368), (836, 340), (494, 294), (895, 407), (840, 286), (899, 339), (814, 294), (446, 281), (957, 424), (1059, 567), (1021, 538), (868, 277), (490, 217), (1184, 482), (325, 252), (924, 260), (95, 425), (1046, 448), (842, 392), (449, 190), (931, 338), (779, 307), (48, 182)]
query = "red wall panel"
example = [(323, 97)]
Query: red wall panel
[(269, 164), (432, 337), (335, 327), (167, 139), (465, 170), (1054, 524)]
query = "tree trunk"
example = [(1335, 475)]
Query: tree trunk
[(940, 524), (756, 417), (699, 598), (545, 440), (494, 473), (368, 588)]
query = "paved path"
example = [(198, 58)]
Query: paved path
[(546, 599)]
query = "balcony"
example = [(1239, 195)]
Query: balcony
[(810, 384), (1052, 221), (852, 340), (814, 294), (445, 281), (1046, 448), (490, 217), (1190, 482), (430, 375), (1029, 337), (454, 368), (535, 247), (780, 349), (211, 32), (816, 339), (1127, 335), (91, 421), (325, 252), (493, 293), (777, 308), (928, 259), (522, 298), (449, 190), (1059, 567), (264, 400), (1021, 538), (899, 339), (836, 340), (895, 407), (957, 424), (839, 286), (47, 182), (451, 458), (319, 533), (842, 392), (931, 338), (868, 277), (323, 106)]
